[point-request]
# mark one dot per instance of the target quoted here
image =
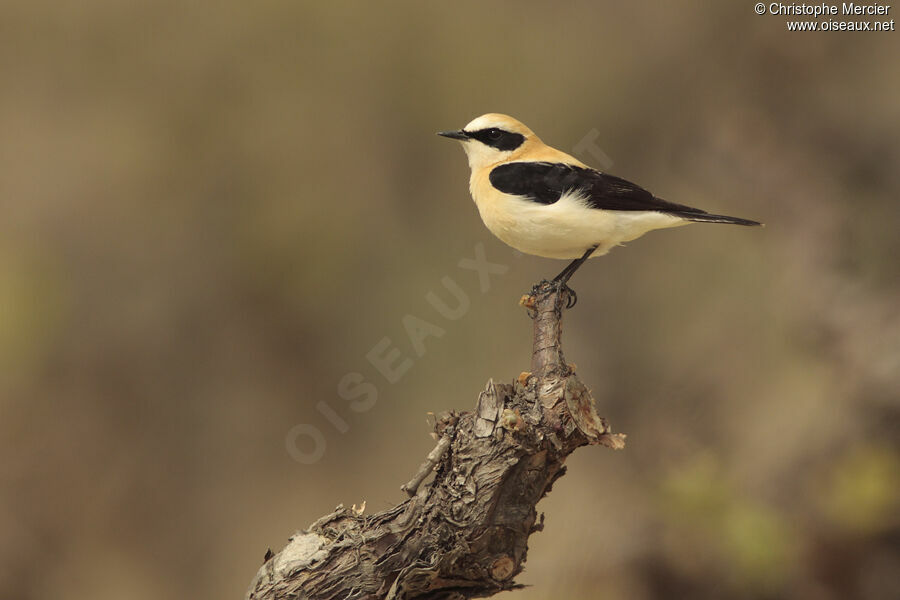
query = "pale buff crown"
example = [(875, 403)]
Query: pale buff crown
[(500, 121)]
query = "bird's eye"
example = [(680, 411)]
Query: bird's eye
[(494, 134)]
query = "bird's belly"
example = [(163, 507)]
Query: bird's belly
[(566, 228)]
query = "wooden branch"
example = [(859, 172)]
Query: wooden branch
[(465, 534), (412, 486)]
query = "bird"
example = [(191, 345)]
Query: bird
[(544, 202)]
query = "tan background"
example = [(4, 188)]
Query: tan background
[(210, 213)]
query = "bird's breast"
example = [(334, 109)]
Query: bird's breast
[(564, 229)]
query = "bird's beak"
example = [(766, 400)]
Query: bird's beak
[(455, 135)]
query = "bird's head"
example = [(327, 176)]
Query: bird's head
[(492, 138)]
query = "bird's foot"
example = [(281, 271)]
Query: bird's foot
[(571, 297), (544, 287)]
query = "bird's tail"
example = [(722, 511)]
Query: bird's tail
[(708, 218)]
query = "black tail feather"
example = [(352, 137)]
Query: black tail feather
[(708, 218)]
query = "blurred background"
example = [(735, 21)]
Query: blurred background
[(211, 213)]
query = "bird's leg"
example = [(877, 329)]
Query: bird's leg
[(560, 281)]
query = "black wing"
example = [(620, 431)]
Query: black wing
[(545, 183)]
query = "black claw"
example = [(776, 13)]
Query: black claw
[(573, 297)]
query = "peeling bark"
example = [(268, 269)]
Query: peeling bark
[(464, 534)]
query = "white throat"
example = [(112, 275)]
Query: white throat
[(481, 156)]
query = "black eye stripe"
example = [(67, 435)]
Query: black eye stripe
[(497, 138)]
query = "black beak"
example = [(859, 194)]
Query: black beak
[(455, 135)]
